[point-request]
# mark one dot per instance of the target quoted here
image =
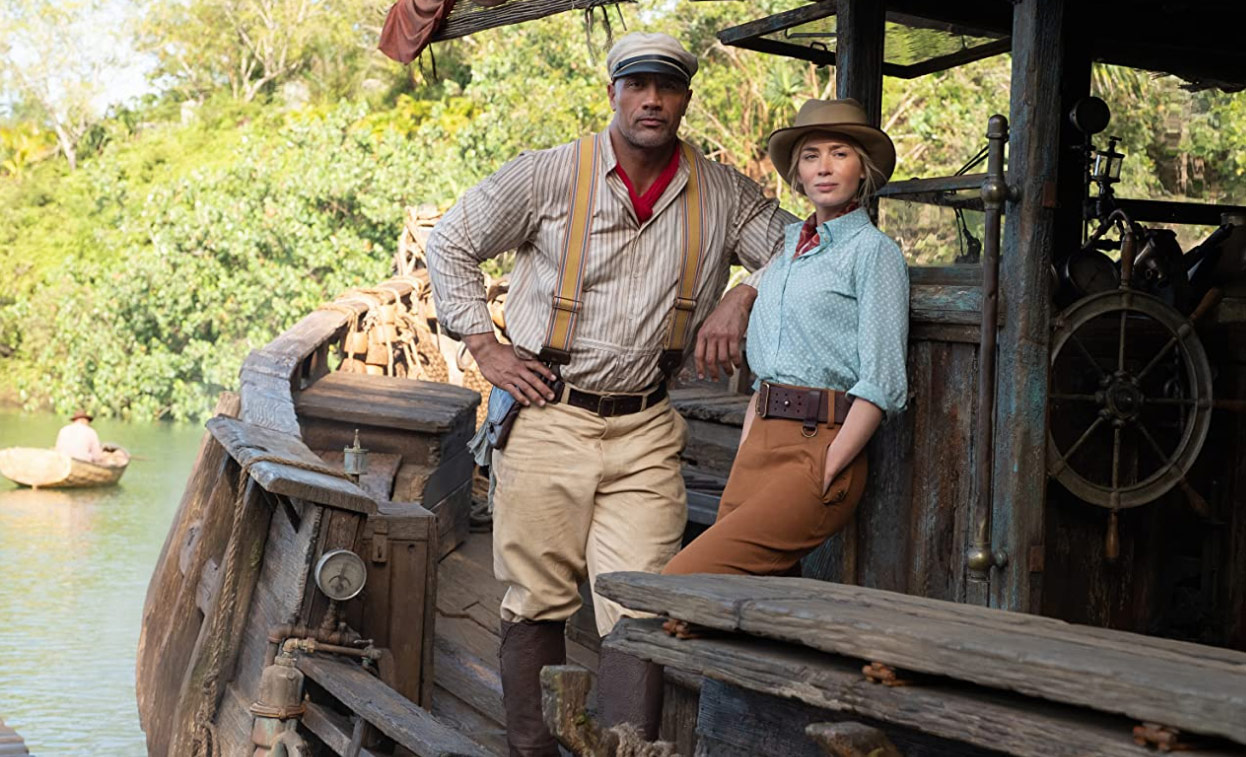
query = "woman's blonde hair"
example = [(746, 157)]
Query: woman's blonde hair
[(868, 184)]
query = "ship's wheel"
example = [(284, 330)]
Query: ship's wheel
[(1130, 399)]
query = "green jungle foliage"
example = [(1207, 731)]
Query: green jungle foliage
[(202, 223)]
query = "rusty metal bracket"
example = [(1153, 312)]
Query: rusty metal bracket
[(877, 672), (1159, 736)]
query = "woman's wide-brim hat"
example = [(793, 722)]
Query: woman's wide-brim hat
[(845, 117), (81, 414)]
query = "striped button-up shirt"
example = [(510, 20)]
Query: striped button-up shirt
[(631, 269)]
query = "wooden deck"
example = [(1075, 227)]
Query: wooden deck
[(468, 691)]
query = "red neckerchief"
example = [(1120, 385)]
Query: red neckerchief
[(643, 204), (809, 232)]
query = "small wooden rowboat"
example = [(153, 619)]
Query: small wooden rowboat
[(49, 469)]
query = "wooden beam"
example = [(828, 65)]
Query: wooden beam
[(778, 22), (298, 477), (952, 60), (815, 55), (1166, 211), (391, 713), (1001, 722), (469, 18), (962, 183), (1188, 686), (1020, 475), (859, 55), (333, 729), (1071, 168)]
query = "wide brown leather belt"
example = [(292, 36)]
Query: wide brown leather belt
[(802, 403), (610, 405)]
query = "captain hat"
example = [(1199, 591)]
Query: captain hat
[(650, 53)]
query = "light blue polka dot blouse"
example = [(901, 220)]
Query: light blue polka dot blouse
[(836, 317)]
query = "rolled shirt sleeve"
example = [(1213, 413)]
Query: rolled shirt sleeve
[(489, 219), (882, 327)]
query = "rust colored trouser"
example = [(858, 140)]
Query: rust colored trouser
[(773, 511)]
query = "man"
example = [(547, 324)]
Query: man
[(589, 480), (78, 440)]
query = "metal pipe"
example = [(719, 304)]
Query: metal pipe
[(995, 191), (278, 634)]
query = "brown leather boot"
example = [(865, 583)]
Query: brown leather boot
[(527, 647), (629, 690)]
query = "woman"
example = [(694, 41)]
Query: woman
[(827, 340)]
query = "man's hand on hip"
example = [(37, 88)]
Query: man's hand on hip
[(718, 341), (503, 368)]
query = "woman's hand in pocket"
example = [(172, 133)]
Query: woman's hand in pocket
[(831, 468)]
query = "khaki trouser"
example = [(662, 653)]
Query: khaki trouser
[(579, 495), (773, 511)]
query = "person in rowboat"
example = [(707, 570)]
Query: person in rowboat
[(79, 441), (624, 239)]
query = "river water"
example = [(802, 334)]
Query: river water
[(74, 567)]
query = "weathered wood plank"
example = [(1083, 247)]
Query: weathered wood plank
[(987, 719), (738, 722), (398, 605), (197, 667), (469, 18), (1203, 691), (167, 638), (283, 582), (333, 729), (388, 401), (469, 678), (460, 716), (1019, 473), (245, 441), (415, 447), (940, 532), (859, 54), (392, 714)]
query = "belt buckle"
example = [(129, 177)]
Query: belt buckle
[(763, 400), (604, 401)]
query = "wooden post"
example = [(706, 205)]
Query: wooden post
[(1074, 85), (859, 75), (859, 54), (1020, 474)]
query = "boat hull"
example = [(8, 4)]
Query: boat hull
[(49, 469)]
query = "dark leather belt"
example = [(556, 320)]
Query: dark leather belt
[(610, 405), (802, 403)]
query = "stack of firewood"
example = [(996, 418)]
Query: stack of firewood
[(394, 338)]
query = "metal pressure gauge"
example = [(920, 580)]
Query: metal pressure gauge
[(340, 574)]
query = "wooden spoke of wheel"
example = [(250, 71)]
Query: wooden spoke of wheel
[(1081, 347), (1064, 458), (1077, 398)]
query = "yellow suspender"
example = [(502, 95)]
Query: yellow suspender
[(574, 251), (566, 300), (690, 269)]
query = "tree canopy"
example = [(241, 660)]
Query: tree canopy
[(270, 170)]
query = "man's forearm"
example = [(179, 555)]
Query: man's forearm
[(478, 343), (744, 295)]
